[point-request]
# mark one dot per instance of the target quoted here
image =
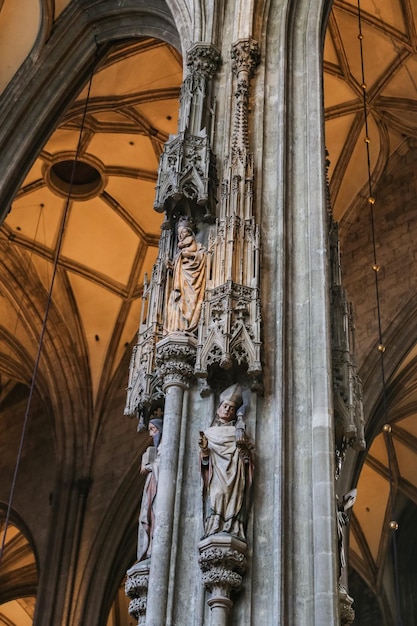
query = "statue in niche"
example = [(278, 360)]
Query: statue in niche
[(150, 466), (189, 281), (226, 467)]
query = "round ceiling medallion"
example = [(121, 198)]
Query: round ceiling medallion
[(80, 179)]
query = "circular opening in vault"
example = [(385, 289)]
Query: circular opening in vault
[(86, 180)]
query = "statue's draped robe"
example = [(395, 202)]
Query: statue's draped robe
[(147, 512), (187, 295), (226, 483)]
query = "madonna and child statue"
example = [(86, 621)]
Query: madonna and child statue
[(188, 281)]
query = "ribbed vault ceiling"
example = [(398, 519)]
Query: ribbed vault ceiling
[(111, 233), (389, 43), (109, 243), (389, 54), (111, 230)]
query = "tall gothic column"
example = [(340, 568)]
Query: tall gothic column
[(310, 571), (281, 186)]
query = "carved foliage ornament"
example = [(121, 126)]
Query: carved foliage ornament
[(203, 59), (136, 588), (347, 613), (222, 567), (175, 359), (245, 56)]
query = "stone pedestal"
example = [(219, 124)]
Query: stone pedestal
[(223, 562), (347, 614), (136, 588)]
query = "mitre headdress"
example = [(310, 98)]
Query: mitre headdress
[(232, 394)]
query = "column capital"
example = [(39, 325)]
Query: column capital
[(175, 359), (203, 58), (245, 56)]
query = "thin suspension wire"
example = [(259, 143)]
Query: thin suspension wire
[(46, 314), (371, 199), (381, 346)]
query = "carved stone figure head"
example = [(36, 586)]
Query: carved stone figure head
[(184, 231), (226, 411), (155, 428), (186, 221), (230, 401)]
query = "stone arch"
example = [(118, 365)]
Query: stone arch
[(184, 22), (60, 366)]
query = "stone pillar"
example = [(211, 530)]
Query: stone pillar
[(310, 560), (175, 356)]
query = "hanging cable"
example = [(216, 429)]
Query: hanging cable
[(47, 308), (393, 525)]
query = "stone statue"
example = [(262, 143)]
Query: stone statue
[(343, 517), (226, 466), (189, 282), (150, 466), (347, 613)]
